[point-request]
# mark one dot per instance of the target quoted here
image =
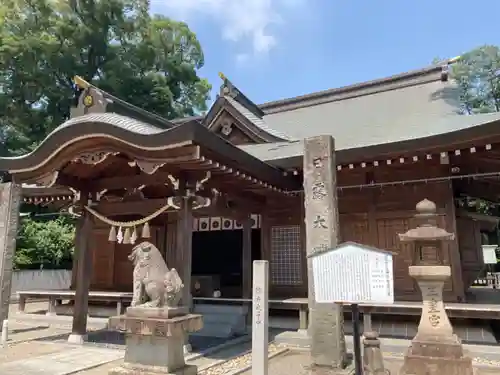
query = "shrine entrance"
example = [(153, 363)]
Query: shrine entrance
[(217, 262)]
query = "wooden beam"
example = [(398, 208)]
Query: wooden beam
[(133, 181), (246, 258), (477, 189)]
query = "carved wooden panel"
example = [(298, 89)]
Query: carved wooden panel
[(229, 128), (102, 252), (237, 137)]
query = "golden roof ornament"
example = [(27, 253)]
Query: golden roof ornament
[(81, 83), (222, 76), (88, 100)]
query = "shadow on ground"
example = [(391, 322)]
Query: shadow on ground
[(115, 339), (27, 329)]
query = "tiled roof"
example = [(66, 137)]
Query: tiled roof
[(416, 128), (260, 123)]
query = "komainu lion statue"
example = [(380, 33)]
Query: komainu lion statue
[(154, 284)]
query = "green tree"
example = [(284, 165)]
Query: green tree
[(45, 244), (149, 61), (477, 74)]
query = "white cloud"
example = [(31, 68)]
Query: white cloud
[(241, 21)]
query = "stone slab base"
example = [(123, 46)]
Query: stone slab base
[(298, 339), (157, 313), (327, 370), (77, 339), (417, 365), (151, 370)]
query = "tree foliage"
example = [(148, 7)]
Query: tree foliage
[(477, 74), (149, 61), (45, 244)]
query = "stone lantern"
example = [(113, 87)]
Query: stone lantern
[(435, 349)]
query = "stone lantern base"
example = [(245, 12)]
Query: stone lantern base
[(436, 358), (435, 350), (155, 340)]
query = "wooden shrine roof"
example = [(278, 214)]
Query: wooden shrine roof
[(189, 146), (417, 111), (448, 133)]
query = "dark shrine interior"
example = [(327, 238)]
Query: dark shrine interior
[(217, 261)]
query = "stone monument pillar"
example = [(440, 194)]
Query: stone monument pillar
[(326, 327), (156, 327), (435, 350), (10, 200)]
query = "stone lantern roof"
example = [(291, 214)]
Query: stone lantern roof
[(427, 230)]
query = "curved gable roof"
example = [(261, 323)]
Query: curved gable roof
[(143, 137)]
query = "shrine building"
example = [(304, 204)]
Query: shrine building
[(217, 191)]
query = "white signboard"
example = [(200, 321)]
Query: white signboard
[(353, 273), (489, 254)]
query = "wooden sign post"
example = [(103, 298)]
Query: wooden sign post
[(353, 274), (260, 317)]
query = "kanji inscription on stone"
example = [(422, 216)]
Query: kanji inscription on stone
[(260, 317), (318, 190), (320, 222), (322, 232)]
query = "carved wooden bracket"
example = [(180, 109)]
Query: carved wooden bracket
[(48, 180), (226, 128), (76, 194), (93, 158), (175, 182), (196, 201), (146, 166), (200, 184)]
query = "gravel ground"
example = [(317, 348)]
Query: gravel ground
[(297, 362), (236, 363), (116, 340)]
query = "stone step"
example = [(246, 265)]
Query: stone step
[(220, 309), (224, 318), (219, 330)]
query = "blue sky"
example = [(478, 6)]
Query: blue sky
[(274, 49)]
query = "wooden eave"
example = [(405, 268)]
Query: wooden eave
[(246, 126), (189, 146), (42, 195), (464, 139)]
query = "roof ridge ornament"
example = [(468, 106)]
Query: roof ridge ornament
[(227, 88), (91, 100)]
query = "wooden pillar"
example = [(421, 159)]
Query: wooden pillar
[(459, 289), (84, 270), (247, 258), (171, 243), (184, 247)]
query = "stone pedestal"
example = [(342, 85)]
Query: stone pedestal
[(435, 350), (155, 340), (373, 362)]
